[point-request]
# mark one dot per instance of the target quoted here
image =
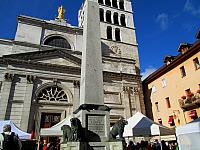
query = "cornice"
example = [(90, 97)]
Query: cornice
[(63, 68), (40, 65), (41, 54), (47, 25), (119, 59), (120, 42), (6, 40)]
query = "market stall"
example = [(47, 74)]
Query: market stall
[(22, 135), (188, 135)]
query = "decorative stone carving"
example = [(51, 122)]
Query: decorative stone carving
[(126, 88), (115, 49), (73, 133), (76, 83), (52, 93), (30, 79), (135, 90), (118, 129), (9, 77)]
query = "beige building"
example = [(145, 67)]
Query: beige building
[(172, 93)]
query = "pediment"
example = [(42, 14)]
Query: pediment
[(59, 61), (54, 57)]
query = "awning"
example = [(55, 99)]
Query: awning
[(170, 121), (56, 129), (140, 126), (22, 135)]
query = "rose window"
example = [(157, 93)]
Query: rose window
[(53, 93)]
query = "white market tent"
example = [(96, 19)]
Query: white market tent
[(56, 129), (188, 135), (14, 128), (140, 126)]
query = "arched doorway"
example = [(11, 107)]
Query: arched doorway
[(52, 104)]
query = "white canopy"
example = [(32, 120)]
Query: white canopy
[(14, 128), (140, 125), (188, 135), (56, 129)]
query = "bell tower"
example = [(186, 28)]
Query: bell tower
[(118, 36)]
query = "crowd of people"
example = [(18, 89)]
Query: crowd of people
[(49, 146), (12, 142), (145, 145)]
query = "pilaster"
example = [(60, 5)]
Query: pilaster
[(126, 101), (5, 94), (27, 102), (76, 102)]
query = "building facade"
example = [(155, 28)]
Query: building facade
[(172, 93), (40, 68)]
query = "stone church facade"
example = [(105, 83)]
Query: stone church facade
[(40, 68)]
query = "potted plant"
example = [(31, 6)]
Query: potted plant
[(190, 95), (198, 91), (183, 97)]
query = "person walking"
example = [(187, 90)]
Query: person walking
[(131, 146), (1, 142), (164, 146), (10, 140)]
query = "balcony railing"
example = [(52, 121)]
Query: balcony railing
[(190, 102)]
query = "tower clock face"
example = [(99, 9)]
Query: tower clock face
[(115, 49)]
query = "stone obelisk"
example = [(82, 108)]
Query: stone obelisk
[(93, 117), (91, 87), (95, 120)]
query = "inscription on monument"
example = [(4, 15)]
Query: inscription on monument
[(98, 148), (96, 124)]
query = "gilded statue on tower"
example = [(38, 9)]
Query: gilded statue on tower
[(61, 13)]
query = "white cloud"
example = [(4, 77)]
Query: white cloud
[(190, 7), (163, 20), (147, 72)]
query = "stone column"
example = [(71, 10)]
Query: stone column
[(27, 103), (112, 18), (118, 4), (5, 94), (126, 101), (137, 100), (76, 94), (119, 19)]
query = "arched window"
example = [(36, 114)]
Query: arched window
[(107, 2), (115, 18), (108, 16), (123, 20), (114, 3), (109, 33), (57, 41), (117, 34), (101, 13), (100, 1), (121, 4), (52, 94)]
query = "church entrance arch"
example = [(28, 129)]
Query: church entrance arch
[(53, 102)]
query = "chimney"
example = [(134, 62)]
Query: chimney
[(168, 59), (184, 47)]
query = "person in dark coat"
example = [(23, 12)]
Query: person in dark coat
[(164, 146)]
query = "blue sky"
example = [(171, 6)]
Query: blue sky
[(160, 25)]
